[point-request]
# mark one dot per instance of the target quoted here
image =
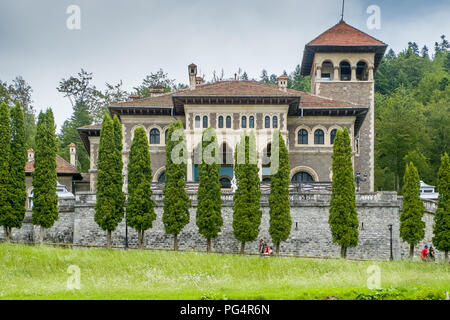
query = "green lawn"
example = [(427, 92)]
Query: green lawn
[(41, 273)]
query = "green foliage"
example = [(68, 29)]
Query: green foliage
[(18, 194), (141, 207), (107, 214), (120, 200), (343, 218), (412, 228), (45, 199), (441, 228), (246, 209), (299, 82), (208, 216), (5, 157), (69, 134), (279, 204), (176, 200)]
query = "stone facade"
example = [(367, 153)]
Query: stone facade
[(310, 235)]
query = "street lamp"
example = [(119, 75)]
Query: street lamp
[(359, 179), (126, 231), (390, 229)]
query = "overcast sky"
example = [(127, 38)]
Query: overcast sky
[(125, 40)]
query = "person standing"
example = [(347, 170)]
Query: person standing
[(424, 253), (431, 253)]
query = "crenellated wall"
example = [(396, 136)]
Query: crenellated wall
[(310, 235)]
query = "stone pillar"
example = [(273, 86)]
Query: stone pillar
[(353, 78), (190, 176), (319, 73), (371, 73), (336, 73), (73, 154)]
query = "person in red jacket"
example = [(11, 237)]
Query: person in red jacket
[(424, 254)]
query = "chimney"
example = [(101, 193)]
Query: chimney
[(73, 154), (157, 91), (30, 153), (282, 82), (235, 76), (192, 68), (199, 80)]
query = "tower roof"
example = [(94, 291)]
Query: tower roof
[(343, 34), (342, 38)]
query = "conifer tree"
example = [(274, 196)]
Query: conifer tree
[(412, 228), (246, 209), (141, 207), (107, 214), (18, 194), (441, 227), (45, 179), (5, 157), (176, 200), (279, 204), (209, 216), (343, 218), (120, 203)]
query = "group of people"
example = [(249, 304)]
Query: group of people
[(427, 254), (264, 249)]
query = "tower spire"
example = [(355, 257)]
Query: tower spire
[(343, 7)]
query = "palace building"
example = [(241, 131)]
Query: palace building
[(341, 62)]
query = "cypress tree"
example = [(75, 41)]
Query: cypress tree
[(5, 156), (18, 194), (120, 200), (280, 216), (412, 228), (343, 218), (441, 227), (45, 178), (107, 214), (209, 216), (176, 200), (246, 209), (141, 207)]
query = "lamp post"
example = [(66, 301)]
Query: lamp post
[(359, 179), (392, 256), (126, 231)]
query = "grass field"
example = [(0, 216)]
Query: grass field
[(28, 272)]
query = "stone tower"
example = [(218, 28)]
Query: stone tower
[(342, 62)]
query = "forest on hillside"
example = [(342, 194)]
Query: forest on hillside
[(412, 108)]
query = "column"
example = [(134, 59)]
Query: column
[(371, 73), (353, 78), (336, 73)]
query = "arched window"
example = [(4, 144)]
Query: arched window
[(228, 122), (327, 71), (205, 122), (251, 122), (361, 71), (275, 122), (154, 136), (302, 177), (162, 177), (197, 121), (220, 122), (244, 122), (225, 183), (333, 135), (319, 137), (166, 135), (302, 136), (346, 71), (267, 122)]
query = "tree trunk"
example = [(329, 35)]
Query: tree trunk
[(446, 257), (108, 239), (208, 245), (343, 252), (242, 247), (411, 252), (141, 239), (277, 250), (7, 233), (41, 235), (175, 242)]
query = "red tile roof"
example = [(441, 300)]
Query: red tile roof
[(343, 34), (62, 166)]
